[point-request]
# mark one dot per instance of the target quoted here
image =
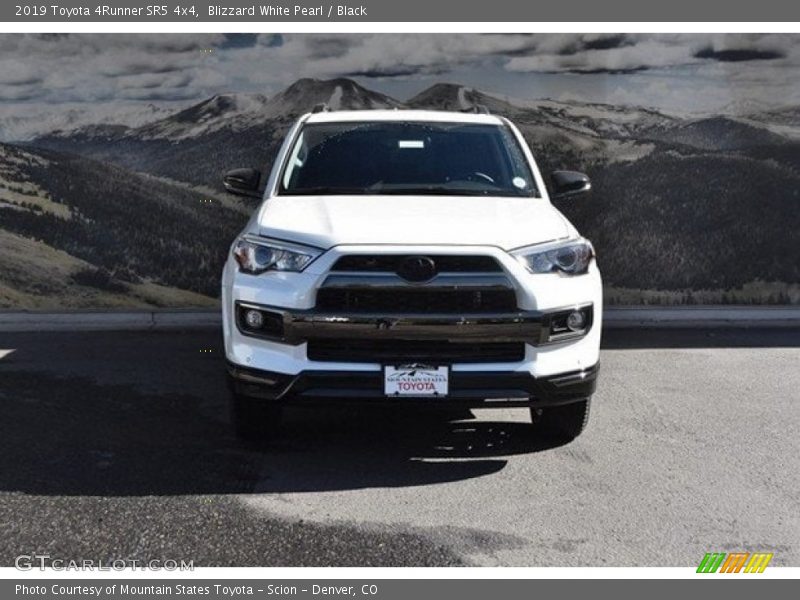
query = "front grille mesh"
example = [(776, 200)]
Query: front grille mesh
[(390, 263), (403, 351), (416, 300), (469, 295)]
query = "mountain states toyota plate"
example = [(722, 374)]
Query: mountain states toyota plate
[(415, 380)]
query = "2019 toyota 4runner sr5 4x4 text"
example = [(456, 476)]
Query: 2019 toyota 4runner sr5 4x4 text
[(410, 256)]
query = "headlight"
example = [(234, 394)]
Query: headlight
[(572, 257), (257, 256)]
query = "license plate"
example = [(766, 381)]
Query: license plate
[(416, 380)]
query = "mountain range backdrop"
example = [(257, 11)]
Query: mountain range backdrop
[(112, 151)]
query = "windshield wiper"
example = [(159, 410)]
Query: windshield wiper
[(428, 190), (325, 190), (431, 190)]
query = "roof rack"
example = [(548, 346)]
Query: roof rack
[(321, 107), (478, 109)]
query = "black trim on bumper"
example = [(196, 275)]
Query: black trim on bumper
[(530, 326), (469, 389)]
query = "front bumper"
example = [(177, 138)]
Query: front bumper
[(310, 333), (467, 389)]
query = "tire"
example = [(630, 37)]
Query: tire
[(562, 423), (254, 420)]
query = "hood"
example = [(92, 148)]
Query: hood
[(327, 221)]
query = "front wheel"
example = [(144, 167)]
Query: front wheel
[(562, 423), (254, 420)]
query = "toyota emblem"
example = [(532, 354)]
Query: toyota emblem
[(417, 269)]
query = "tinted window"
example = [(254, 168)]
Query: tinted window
[(407, 158)]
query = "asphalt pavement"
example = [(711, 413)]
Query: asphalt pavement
[(117, 445)]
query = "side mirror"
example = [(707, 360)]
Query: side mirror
[(243, 182), (569, 183)]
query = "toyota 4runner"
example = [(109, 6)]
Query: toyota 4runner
[(410, 256)]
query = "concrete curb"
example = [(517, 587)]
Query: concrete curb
[(108, 320), (616, 317), (620, 317)]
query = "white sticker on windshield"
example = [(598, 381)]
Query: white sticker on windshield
[(411, 144), (519, 182)]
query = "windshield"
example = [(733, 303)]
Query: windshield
[(407, 158)]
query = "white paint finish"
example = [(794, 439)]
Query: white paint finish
[(327, 221)]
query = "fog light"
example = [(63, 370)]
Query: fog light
[(254, 319), (576, 320)]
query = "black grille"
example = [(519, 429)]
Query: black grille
[(390, 263), (402, 351), (416, 300)]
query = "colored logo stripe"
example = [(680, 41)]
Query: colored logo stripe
[(758, 562), (711, 562), (734, 562)]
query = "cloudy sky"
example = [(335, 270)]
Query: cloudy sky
[(674, 72)]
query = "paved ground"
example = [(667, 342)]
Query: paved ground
[(117, 446)]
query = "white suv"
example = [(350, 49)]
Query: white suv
[(410, 256)]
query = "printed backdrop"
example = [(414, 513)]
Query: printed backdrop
[(112, 148)]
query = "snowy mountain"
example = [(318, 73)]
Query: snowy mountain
[(786, 115), (696, 199), (743, 107), (24, 122), (196, 144), (233, 111), (718, 133), (238, 112), (782, 121), (580, 117), (451, 96), (338, 94)]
